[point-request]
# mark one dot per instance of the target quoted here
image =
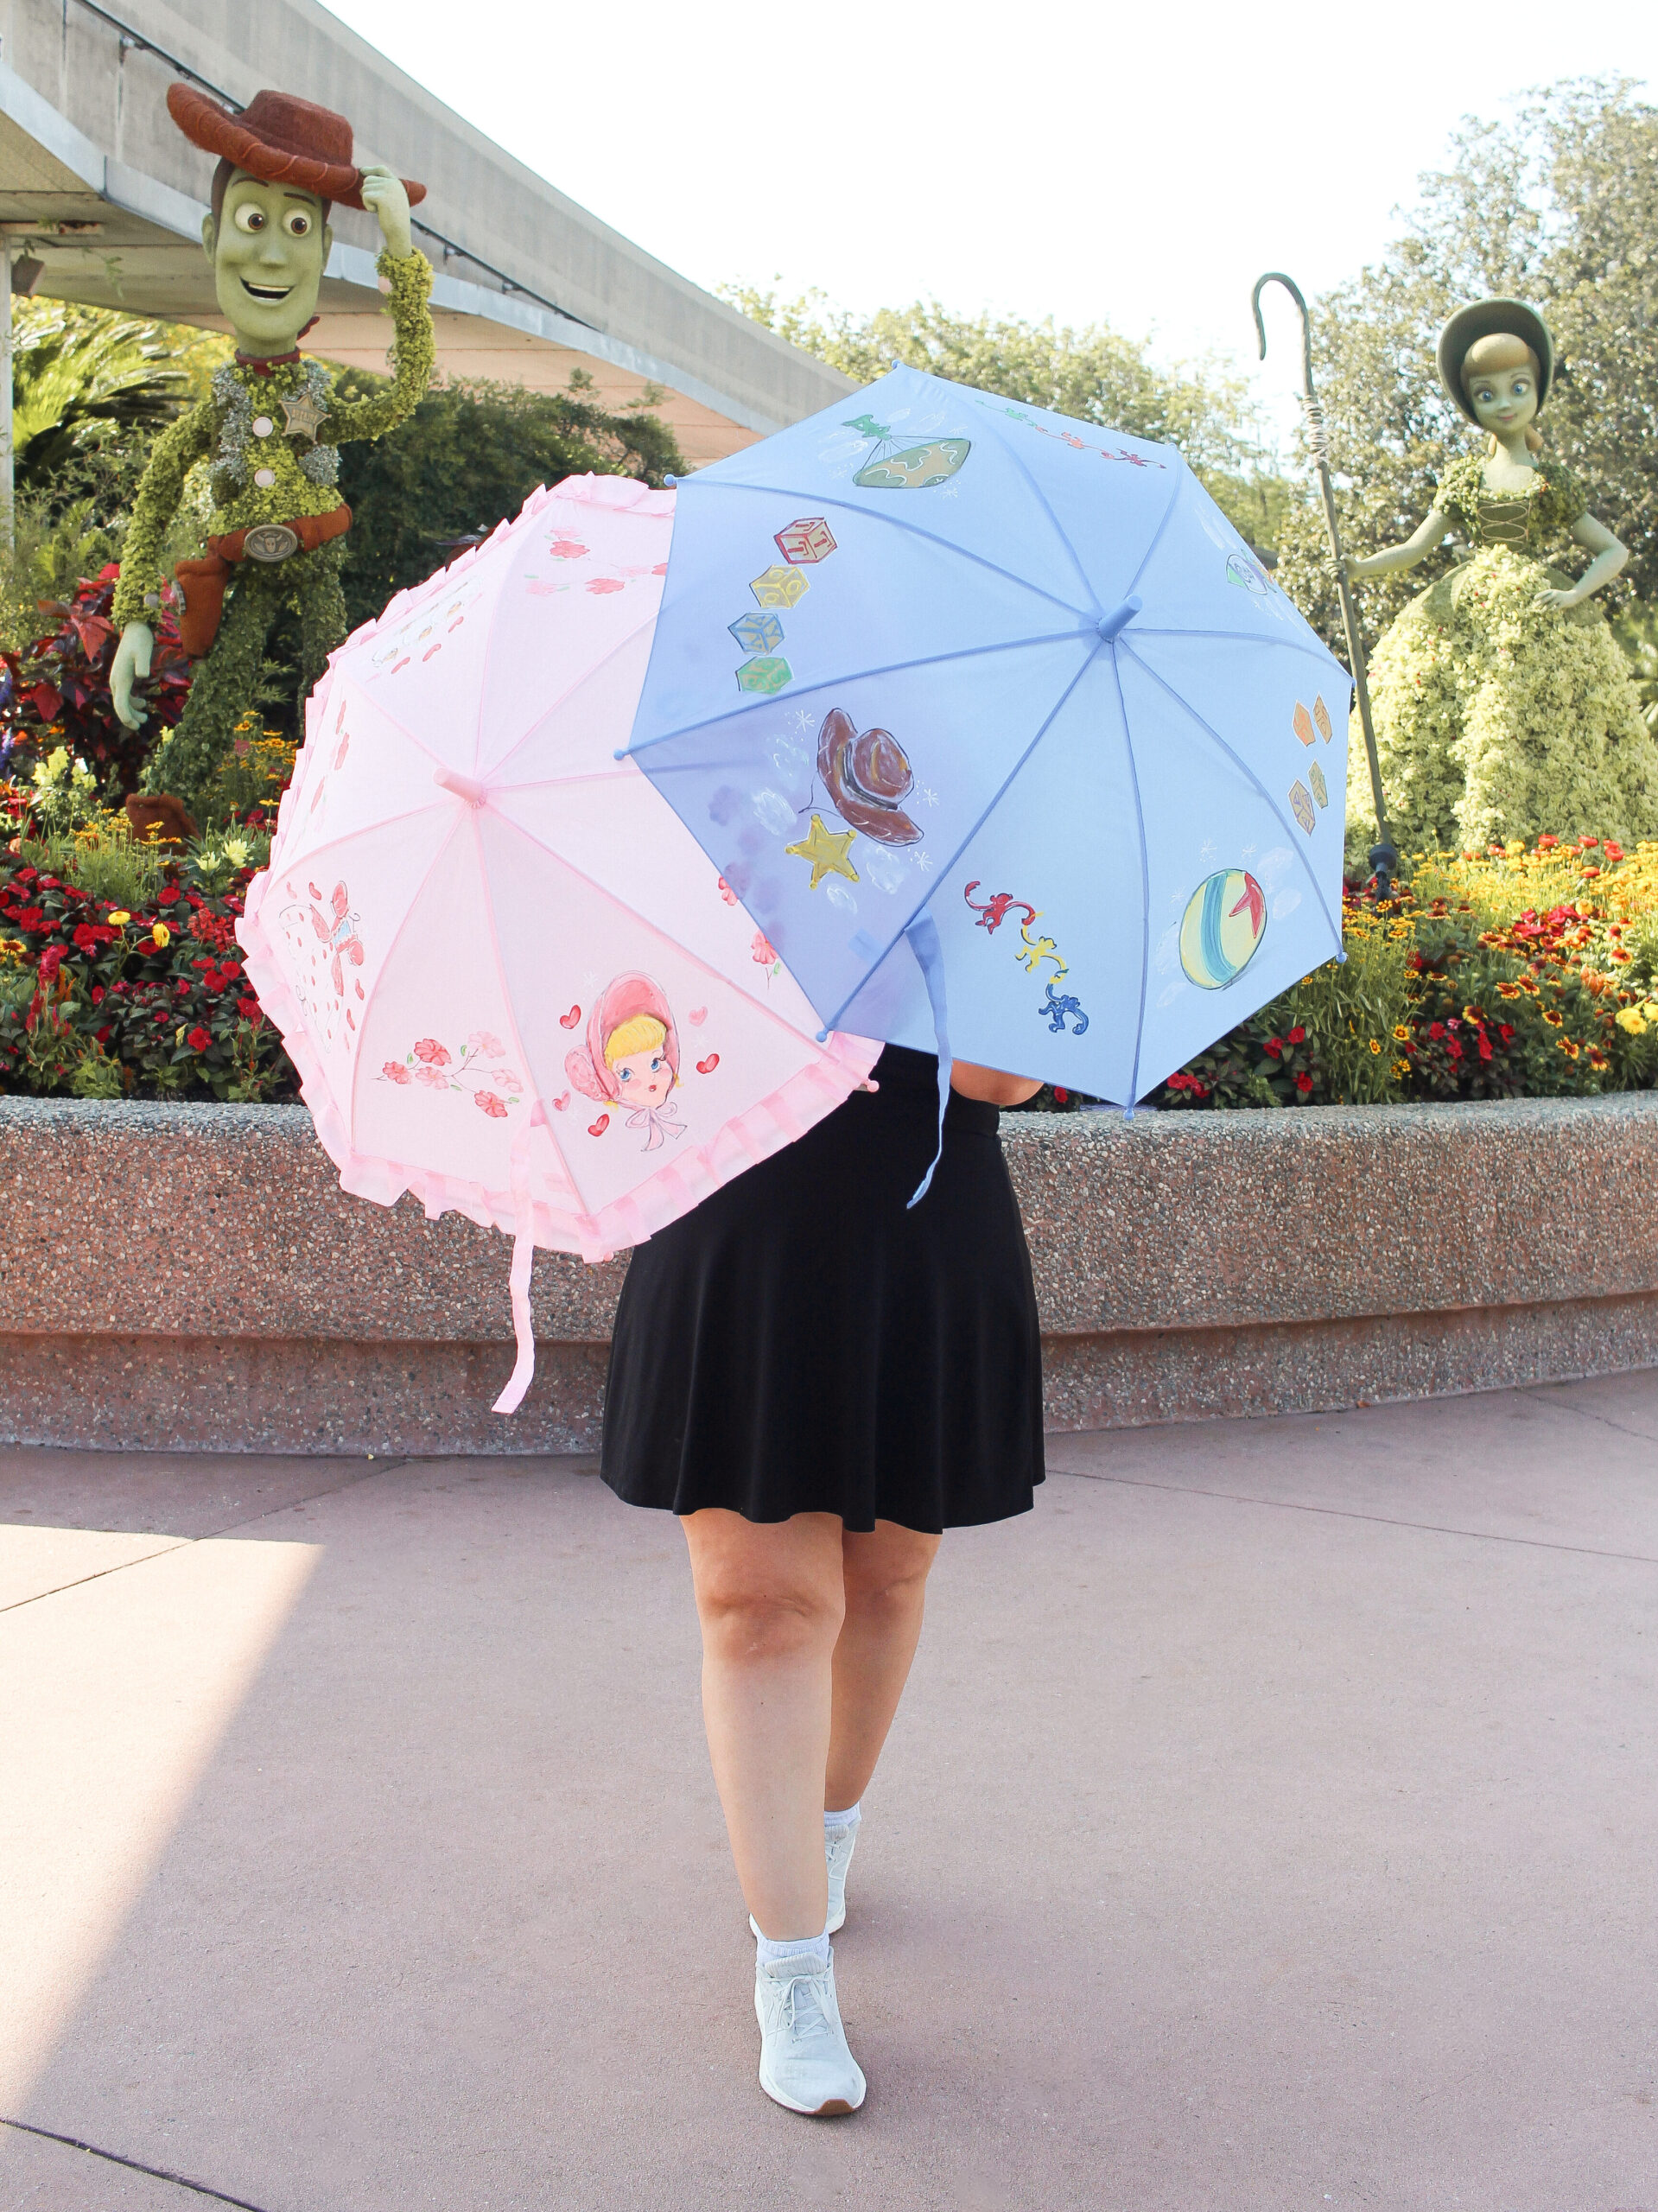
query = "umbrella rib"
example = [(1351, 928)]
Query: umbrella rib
[(363, 829), (889, 521), (565, 696), (1239, 761), (1157, 535), (1243, 638), (443, 845), (1024, 468), (1144, 884), (852, 676), (985, 813), (657, 930), (512, 1018)]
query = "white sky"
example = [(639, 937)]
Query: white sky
[(1139, 166)]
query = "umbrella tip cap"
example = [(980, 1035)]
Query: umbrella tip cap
[(822, 1036)]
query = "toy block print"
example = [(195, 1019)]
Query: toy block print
[(1303, 724), (1301, 806), (1320, 789), (808, 539), (780, 587), (767, 673), (1321, 716), (758, 633)]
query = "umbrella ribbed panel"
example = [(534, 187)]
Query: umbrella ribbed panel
[(511, 981), (1117, 872)]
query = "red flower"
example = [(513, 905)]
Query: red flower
[(231, 968), (248, 1007), (198, 1040), (1273, 1048), (1060, 1096), (169, 897), (29, 917), (394, 1071), (434, 1054), (1484, 1045), (1614, 851), (1505, 1031), (1454, 1049), (1297, 1035), (1304, 1083), (98, 995), (607, 583), (489, 1103), (1436, 1029)]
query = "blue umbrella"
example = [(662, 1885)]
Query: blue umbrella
[(1001, 732)]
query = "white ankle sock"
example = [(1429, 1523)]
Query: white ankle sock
[(834, 1822), (816, 1947)]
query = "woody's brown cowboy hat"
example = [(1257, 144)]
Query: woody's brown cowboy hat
[(1484, 319), (279, 139), (866, 776)]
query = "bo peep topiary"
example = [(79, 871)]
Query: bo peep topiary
[(1503, 704)]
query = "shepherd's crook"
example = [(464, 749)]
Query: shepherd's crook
[(1384, 854)]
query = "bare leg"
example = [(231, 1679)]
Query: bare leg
[(769, 1600), (886, 1581)]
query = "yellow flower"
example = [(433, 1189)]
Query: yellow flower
[(1401, 1068), (1507, 990), (1400, 1032), (1374, 1046), (178, 1034), (1568, 1047), (1553, 1019), (160, 934), (119, 914), (1631, 1020)]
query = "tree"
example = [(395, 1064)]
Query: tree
[(88, 383), (1559, 205), (467, 459), (1094, 374)]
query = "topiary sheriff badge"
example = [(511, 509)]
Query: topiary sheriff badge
[(272, 423)]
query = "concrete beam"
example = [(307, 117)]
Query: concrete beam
[(85, 140)]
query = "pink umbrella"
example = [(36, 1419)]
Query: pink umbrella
[(510, 980)]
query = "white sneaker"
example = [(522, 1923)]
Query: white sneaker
[(837, 1849), (837, 1854), (804, 2062)]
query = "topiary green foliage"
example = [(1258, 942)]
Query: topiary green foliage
[(1498, 719), (467, 459)]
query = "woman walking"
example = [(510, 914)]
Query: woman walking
[(819, 1379)]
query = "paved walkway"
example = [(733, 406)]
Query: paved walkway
[(1269, 1825)]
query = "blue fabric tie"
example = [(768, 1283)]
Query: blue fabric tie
[(930, 958)]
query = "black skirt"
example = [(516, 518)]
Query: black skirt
[(802, 1342)]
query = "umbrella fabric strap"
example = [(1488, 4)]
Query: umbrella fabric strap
[(523, 1260), (523, 1327), (923, 934)]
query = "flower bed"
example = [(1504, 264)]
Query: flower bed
[(1524, 972)]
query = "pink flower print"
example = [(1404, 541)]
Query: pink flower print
[(607, 583), (661, 568), (568, 549), (394, 1071), (509, 1079), (432, 1052), (487, 1102), (434, 1079), (485, 1042), (760, 952)]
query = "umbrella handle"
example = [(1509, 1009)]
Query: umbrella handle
[(1384, 854)]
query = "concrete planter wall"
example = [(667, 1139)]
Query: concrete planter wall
[(194, 1276)]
